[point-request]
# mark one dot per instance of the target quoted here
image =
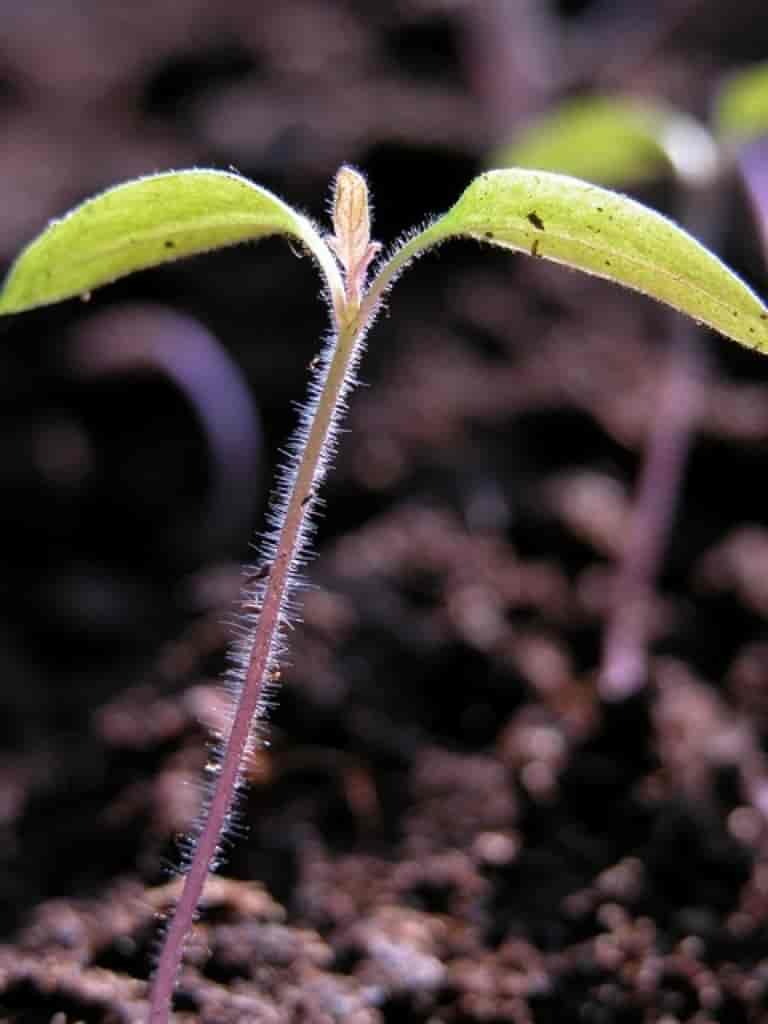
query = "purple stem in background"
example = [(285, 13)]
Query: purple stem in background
[(141, 336), (627, 37), (752, 165), (624, 658), (511, 54)]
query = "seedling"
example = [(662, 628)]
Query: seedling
[(621, 143), (163, 217)]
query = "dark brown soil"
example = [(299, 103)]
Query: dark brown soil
[(448, 826)]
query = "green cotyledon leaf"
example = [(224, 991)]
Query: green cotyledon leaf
[(146, 222), (741, 107), (613, 141), (603, 233)]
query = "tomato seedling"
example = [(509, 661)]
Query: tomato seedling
[(163, 217)]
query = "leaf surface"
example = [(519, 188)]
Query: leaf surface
[(144, 223), (741, 108), (603, 233), (613, 141)]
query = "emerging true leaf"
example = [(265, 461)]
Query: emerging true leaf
[(613, 141), (147, 222), (741, 109), (607, 234)]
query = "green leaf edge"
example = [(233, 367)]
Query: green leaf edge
[(147, 222), (581, 226)]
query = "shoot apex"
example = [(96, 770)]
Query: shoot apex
[(351, 240)]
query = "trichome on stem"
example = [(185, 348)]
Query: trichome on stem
[(257, 653)]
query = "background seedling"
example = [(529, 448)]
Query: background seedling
[(161, 218), (627, 143)]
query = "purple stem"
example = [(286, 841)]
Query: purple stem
[(624, 657), (303, 482), (623, 666)]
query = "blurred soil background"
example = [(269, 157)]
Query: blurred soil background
[(449, 826)]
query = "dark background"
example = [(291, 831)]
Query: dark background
[(459, 830)]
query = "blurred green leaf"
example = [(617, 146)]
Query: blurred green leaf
[(606, 234), (144, 223), (741, 107), (613, 142)]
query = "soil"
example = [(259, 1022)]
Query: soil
[(448, 824)]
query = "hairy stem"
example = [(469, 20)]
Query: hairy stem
[(309, 472)]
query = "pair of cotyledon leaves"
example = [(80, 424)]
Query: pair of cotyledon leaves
[(615, 142), (164, 217)]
